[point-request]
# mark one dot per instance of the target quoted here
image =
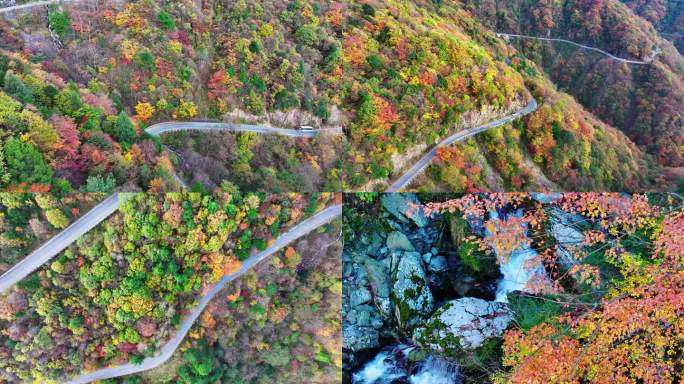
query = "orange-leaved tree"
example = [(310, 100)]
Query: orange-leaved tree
[(634, 335)]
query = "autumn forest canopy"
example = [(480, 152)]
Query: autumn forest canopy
[(120, 292), (81, 83), (354, 191)]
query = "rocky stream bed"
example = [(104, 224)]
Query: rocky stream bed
[(420, 303)]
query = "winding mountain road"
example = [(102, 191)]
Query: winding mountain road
[(299, 230), (178, 126), (173, 126), (103, 210), (59, 242), (648, 61), (33, 4), (405, 180), (27, 5)]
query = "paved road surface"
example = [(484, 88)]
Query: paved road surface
[(405, 180), (645, 62), (31, 5), (173, 126), (168, 349), (59, 242)]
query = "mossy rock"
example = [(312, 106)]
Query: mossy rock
[(463, 324), (398, 241), (411, 295)]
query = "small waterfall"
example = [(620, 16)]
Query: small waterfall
[(517, 270), (391, 366), (385, 367), (437, 371), (515, 275)]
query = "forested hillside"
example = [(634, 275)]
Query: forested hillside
[(279, 323), (258, 162), (378, 71), (59, 136), (28, 219), (157, 71), (119, 292), (644, 101), (667, 16), (398, 76), (559, 146)]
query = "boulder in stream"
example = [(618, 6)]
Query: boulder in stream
[(464, 323)]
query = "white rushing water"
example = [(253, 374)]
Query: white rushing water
[(437, 371), (384, 368), (518, 269), (390, 365)]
